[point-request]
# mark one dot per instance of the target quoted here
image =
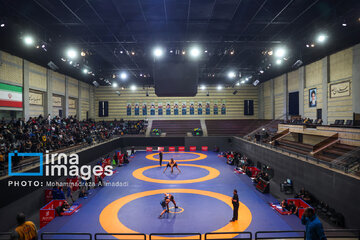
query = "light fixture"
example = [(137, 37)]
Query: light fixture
[(29, 40), (202, 87), (219, 87), (231, 74), (183, 52), (194, 52), (237, 84), (246, 79), (158, 52), (83, 54), (307, 45), (280, 52), (278, 61), (71, 53), (261, 71), (206, 51), (115, 85), (242, 81), (2, 25), (270, 53), (133, 87), (85, 70), (321, 38), (312, 45), (123, 75)]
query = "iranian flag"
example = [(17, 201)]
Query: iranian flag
[(10, 96)]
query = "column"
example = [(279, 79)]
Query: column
[(286, 96), (48, 94), (272, 98), (261, 103), (355, 91), (66, 102), (301, 90), (26, 100), (325, 81), (78, 113)]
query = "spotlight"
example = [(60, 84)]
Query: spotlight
[(158, 52), (232, 52), (183, 52), (83, 54), (122, 88), (71, 53), (132, 53), (280, 52), (261, 71), (237, 84), (28, 40), (231, 74), (115, 85), (85, 70), (270, 53), (278, 61), (312, 45), (307, 45), (133, 87), (219, 87), (256, 82), (242, 81), (206, 51), (321, 38), (123, 75), (194, 52), (202, 87), (2, 25), (246, 79)]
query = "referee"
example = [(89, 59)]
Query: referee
[(160, 157), (235, 202)]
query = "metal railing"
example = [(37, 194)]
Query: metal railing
[(350, 234), (189, 236), (223, 235), (68, 236), (122, 236)]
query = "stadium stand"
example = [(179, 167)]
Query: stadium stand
[(233, 127), (176, 127)]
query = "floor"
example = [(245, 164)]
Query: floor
[(202, 191)]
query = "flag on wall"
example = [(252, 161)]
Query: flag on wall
[(10, 96)]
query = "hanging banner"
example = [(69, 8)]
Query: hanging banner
[(223, 108), (160, 108), (152, 109), (176, 108), (168, 108), (183, 108), (137, 109), (11, 96), (128, 109), (207, 108), (192, 108), (144, 109), (216, 108), (199, 108)]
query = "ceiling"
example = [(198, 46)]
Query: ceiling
[(119, 35)]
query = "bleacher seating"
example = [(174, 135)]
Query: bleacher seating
[(176, 127), (237, 127)]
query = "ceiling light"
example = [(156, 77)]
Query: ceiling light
[(194, 52), (183, 52), (115, 85), (270, 52), (71, 53), (280, 52), (321, 38), (28, 40), (158, 52), (237, 84), (83, 54), (219, 87), (278, 61), (202, 87), (261, 71), (85, 70), (2, 25), (123, 75), (133, 87), (312, 45), (246, 79), (242, 81), (231, 74), (205, 51), (307, 45)]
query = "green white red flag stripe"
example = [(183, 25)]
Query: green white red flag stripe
[(10, 96)]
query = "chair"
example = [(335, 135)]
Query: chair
[(349, 122)]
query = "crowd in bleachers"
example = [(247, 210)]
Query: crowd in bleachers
[(39, 134)]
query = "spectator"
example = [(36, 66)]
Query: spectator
[(26, 230), (293, 208), (314, 228), (63, 208)]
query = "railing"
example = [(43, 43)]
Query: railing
[(225, 235), (122, 236), (350, 234), (5, 235), (68, 236), (189, 236), (266, 125)]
